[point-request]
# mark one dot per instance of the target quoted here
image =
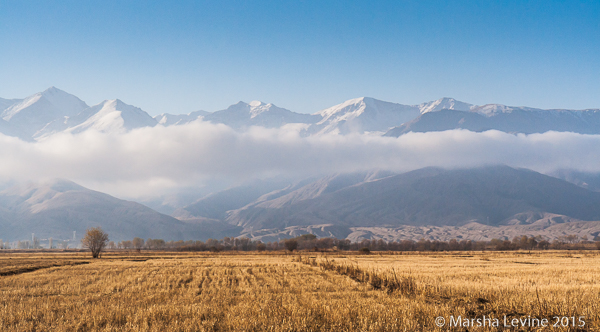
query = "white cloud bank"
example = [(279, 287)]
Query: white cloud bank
[(149, 160)]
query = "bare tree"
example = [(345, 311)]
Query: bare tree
[(155, 243), (138, 243), (95, 239), (125, 245)]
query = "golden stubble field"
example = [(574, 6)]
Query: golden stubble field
[(298, 292)]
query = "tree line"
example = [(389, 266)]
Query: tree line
[(96, 240), (311, 242)]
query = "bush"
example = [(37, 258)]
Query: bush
[(365, 250)]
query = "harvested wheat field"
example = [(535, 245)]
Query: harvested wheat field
[(300, 292)]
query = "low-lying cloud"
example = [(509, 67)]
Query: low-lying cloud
[(150, 160)]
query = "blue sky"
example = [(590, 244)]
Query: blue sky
[(182, 56)]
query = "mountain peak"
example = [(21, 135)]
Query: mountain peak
[(492, 109), (258, 107), (256, 103), (117, 104), (445, 103), (36, 111), (364, 114), (356, 100), (328, 112), (53, 92), (111, 115), (63, 185), (53, 186), (52, 89)]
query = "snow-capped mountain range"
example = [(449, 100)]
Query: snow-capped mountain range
[(54, 111)]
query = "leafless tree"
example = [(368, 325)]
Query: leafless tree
[(155, 243), (125, 245), (138, 243), (95, 239)]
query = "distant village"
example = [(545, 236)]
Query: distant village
[(37, 243)]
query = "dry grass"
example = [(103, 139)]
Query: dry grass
[(265, 292), (17, 263)]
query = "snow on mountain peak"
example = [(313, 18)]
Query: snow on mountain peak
[(492, 109), (363, 114), (256, 103), (52, 90), (350, 107), (445, 103), (104, 117), (112, 115), (65, 100), (167, 119), (53, 110), (36, 112), (61, 102), (117, 104), (257, 107)]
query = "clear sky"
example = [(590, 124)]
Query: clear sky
[(182, 56)]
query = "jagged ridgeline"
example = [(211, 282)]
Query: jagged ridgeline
[(53, 111)]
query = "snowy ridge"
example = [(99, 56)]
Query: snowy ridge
[(372, 115), (6, 103), (445, 103), (113, 116), (53, 100), (167, 119), (348, 109), (11, 111), (33, 113), (53, 111), (257, 113), (258, 107)]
